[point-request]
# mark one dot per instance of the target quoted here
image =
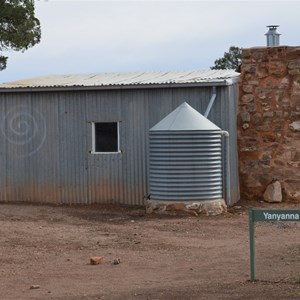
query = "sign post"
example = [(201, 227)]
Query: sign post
[(252, 245), (261, 215)]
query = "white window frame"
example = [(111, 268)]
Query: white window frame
[(94, 138)]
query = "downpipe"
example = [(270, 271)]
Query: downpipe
[(226, 157), (225, 134), (211, 101)]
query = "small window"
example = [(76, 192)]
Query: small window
[(105, 137)]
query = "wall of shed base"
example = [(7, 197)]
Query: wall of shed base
[(209, 208)]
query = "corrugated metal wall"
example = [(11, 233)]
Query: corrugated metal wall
[(46, 139)]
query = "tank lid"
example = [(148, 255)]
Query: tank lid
[(184, 117)]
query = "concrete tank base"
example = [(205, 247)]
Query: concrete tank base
[(209, 208)]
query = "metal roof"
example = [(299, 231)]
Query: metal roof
[(184, 117), (123, 80)]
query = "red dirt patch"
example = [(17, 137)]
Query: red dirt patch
[(159, 257)]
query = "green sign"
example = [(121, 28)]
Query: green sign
[(263, 215), (275, 215)]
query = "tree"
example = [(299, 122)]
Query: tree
[(19, 28), (230, 61)]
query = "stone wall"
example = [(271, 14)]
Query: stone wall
[(269, 121)]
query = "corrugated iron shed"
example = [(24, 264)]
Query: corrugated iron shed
[(47, 134), (215, 77)]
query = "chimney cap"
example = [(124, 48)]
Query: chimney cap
[(272, 36), (273, 26)]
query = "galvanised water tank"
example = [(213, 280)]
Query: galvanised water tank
[(185, 158)]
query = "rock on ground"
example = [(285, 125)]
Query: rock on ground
[(273, 192)]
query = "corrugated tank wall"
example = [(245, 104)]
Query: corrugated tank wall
[(185, 165), (47, 142)]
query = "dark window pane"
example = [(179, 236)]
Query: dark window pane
[(106, 137)]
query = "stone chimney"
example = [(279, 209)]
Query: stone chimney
[(269, 121)]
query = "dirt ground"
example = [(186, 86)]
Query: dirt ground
[(45, 254)]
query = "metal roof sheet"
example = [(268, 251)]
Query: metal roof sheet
[(184, 117), (225, 77)]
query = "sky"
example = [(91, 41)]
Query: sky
[(139, 36)]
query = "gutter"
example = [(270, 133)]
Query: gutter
[(225, 82)]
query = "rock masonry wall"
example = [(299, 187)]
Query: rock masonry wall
[(269, 121)]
